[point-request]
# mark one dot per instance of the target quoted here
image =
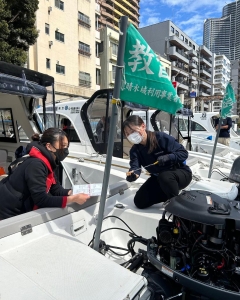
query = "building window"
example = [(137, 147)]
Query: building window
[(98, 76), (190, 44), (60, 69), (47, 28), (182, 37), (177, 33), (186, 41), (84, 20), (114, 68), (48, 63), (59, 36), (59, 4), (84, 49), (84, 79), (194, 47), (114, 48), (172, 29)]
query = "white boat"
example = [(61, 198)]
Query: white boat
[(44, 253)]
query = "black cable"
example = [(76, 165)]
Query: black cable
[(133, 240), (122, 221), (112, 228), (119, 248), (219, 172), (118, 254)]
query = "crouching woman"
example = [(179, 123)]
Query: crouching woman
[(33, 184), (169, 174)]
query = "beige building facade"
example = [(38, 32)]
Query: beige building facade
[(66, 46)]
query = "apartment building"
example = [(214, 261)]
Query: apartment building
[(112, 10), (222, 35), (108, 57), (67, 46), (191, 63), (221, 74), (235, 76)]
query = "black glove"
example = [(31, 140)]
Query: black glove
[(162, 160), (131, 177)]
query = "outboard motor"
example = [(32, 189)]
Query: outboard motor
[(235, 171), (198, 244)]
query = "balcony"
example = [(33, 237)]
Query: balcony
[(219, 72), (192, 86), (192, 53), (203, 49), (219, 63), (179, 67), (176, 53), (193, 64), (203, 93), (205, 83), (193, 77), (206, 61), (205, 72), (182, 84), (174, 40), (195, 71), (218, 91)]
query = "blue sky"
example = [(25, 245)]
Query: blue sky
[(189, 15)]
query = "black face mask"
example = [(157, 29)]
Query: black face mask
[(61, 154)]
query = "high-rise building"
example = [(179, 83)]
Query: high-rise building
[(67, 46), (112, 10), (221, 75), (235, 76), (222, 35), (191, 63)]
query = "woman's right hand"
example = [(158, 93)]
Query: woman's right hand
[(78, 198)]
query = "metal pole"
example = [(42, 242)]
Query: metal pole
[(214, 147), (54, 107), (114, 116)]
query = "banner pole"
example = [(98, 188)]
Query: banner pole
[(113, 122), (214, 147)]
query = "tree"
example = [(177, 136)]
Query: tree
[(17, 29)]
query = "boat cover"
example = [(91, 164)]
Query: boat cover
[(20, 86)]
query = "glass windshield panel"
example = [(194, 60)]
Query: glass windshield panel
[(99, 116), (7, 132), (64, 123)]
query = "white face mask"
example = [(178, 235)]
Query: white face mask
[(135, 138)]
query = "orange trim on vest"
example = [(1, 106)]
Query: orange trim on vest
[(34, 152)]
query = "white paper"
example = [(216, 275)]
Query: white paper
[(93, 189)]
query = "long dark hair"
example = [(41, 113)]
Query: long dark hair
[(135, 120), (51, 136)]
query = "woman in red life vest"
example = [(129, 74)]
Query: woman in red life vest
[(33, 184)]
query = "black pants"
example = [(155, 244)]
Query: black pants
[(162, 187)]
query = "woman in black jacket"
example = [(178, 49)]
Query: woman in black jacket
[(33, 184), (166, 158)]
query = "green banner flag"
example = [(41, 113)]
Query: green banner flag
[(145, 80), (228, 101)]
